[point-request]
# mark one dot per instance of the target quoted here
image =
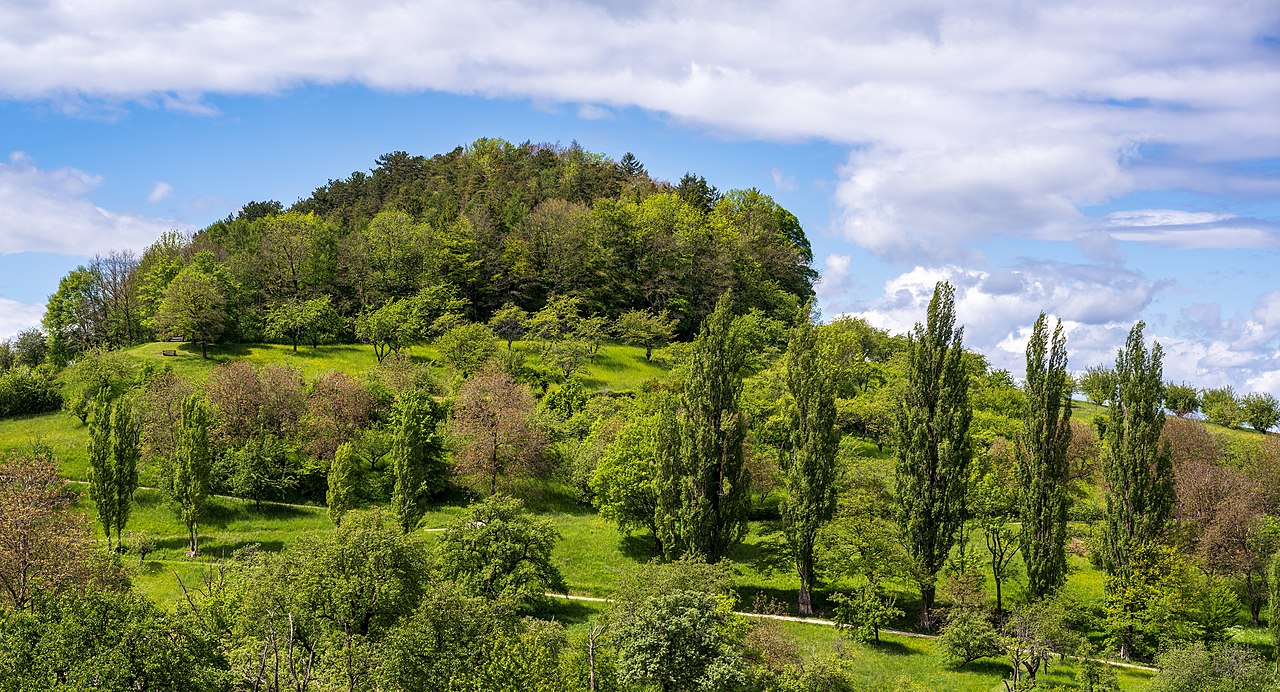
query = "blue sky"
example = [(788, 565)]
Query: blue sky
[(1106, 162)]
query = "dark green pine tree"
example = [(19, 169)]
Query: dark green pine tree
[(101, 469), (700, 447), (417, 457), (126, 450), (1042, 460), (933, 446), (809, 463)]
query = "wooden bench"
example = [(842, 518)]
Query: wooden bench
[(168, 353)]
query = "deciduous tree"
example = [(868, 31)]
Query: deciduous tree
[(417, 457), (188, 484), (491, 422), (933, 445), (498, 550), (194, 307)]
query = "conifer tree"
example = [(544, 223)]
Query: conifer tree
[(1138, 468), (192, 463), (703, 486), (417, 457), (1042, 460), (342, 482), (810, 461), (126, 450), (101, 469), (933, 447)]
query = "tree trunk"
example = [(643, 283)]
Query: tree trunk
[(204, 350), (927, 593), (805, 564)]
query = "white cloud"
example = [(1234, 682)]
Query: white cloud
[(15, 317), (782, 181), (159, 191), (966, 119), (49, 211)]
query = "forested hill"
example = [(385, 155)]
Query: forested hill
[(488, 224)]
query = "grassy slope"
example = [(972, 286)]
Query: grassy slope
[(594, 557)]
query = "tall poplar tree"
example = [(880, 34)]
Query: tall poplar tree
[(192, 463), (417, 457), (126, 450), (702, 485), (343, 473), (1137, 467), (1042, 460), (101, 469), (810, 461), (933, 446)]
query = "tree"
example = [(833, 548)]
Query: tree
[(101, 466), (1222, 668), (194, 306), (338, 407), (43, 542), (491, 422), (1222, 406), (1098, 384), (623, 481), (509, 322), (498, 550), (313, 320), (126, 451), (92, 373), (29, 347), (188, 483), (417, 457), (343, 474), (675, 628), (968, 636), (1182, 399), (1043, 467), (1273, 607), (1138, 469), (1261, 411), (466, 348), (865, 611), (703, 489), (993, 503), (810, 462), (645, 328), (389, 328), (933, 445), (260, 468)]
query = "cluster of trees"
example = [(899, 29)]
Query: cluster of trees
[(384, 256), (1218, 405)]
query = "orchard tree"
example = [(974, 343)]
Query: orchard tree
[(703, 490), (809, 463), (1043, 467), (1222, 406), (933, 447), (509, 322), (498, 550), (195, 307), (492, 423), (466, 348), (417, 457), (1261, 411), (1182, 399), (645, 328), (1098, 384)]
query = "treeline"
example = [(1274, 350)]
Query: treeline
[(475, 229), (1218, 405)]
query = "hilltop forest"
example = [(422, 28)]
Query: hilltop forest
[(523, 417)]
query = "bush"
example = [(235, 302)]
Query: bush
[(1198, 668), (25, 391)]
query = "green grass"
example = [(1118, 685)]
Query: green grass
[(63, 432)]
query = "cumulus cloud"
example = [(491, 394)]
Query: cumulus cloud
[(49, 211), (15, 317), (965, 120), (159, 191)]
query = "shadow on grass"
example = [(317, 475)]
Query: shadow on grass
[(891, 648), (988, 667), (638, 546), (217, 352), (569, 612)]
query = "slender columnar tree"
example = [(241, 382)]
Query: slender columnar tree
[(700, 449), (933, 447), (101, 469), (126, 449), (417, 457), (810, 461), (343, 473), (1138, 468), (1042, 460), (192, 463)]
